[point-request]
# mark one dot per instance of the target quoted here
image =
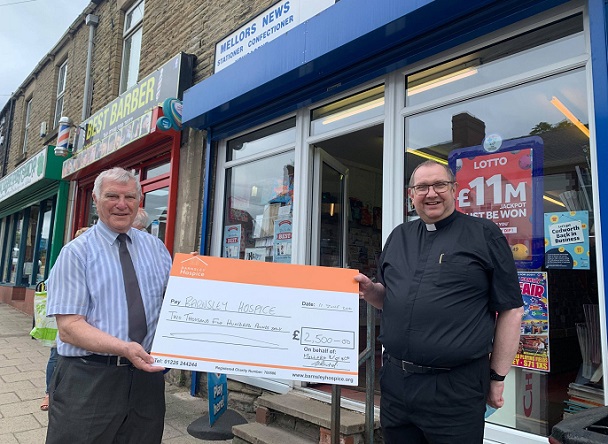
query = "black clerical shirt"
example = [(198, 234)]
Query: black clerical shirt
[(444, 284)]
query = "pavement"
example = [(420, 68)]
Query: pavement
[(22, 383)]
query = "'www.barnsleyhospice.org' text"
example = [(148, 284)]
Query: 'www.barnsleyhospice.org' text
[(322, 377)]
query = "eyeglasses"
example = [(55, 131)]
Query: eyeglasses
[(439, 187)]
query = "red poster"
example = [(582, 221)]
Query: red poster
[(505, 186)]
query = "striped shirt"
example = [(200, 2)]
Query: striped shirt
[(87, 280)]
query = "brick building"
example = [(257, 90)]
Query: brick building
[(156, 31)]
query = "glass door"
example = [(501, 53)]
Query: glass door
[(330, 220)]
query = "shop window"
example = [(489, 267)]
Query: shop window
[(45, 224), (44, 229), (545, 47), (349, 111), (5, 256), (26, 127), (259, 195), (16, 247), (259, 199), (7, 253), (272, 137), (26, 239), (157, 170), (28, 269), (521, 155), (61, 84), (131, 50)]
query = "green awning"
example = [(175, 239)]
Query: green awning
[(34, 180)]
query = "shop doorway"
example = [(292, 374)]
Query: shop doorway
[(347, 218), (330, 201)]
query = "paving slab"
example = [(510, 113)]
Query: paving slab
[(22, 383)]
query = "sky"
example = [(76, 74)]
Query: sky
[(29, 29)]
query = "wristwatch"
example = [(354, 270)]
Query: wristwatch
[(495, 376)]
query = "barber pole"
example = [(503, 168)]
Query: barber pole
[(63, 137)]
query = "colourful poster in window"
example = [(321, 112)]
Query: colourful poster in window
[(502, 181), (282, 240), (232, 241), (567, 240), (533, 351)]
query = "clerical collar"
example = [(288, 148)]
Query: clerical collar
[(441, 223)]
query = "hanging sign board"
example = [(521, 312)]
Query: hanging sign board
[(260, 319)]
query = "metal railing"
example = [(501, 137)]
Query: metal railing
[(368, 356)]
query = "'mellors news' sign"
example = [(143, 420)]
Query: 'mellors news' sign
[(266, 27)]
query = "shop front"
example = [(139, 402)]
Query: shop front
[(125, 133), (510, 95), (33, 200)]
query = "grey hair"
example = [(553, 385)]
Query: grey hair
[(427, 163), (141, 219), (119, 175)]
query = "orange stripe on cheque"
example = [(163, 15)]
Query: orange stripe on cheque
[(252, 364), (265, 273)]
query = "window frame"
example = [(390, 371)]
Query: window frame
[(130, 30)]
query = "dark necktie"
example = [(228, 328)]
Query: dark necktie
[(137, 316)]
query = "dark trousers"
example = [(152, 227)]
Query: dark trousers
[(50, 367), (96, 403), (444, 408)]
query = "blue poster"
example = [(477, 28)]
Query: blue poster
[(217, 392), (281, 247), (232, 241), (567, 240)]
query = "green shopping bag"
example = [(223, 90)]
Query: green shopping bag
[(45, 329)]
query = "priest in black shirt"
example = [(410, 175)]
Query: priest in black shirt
[(451, 316)]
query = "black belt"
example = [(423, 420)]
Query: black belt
[(410, 367), (114, 361)]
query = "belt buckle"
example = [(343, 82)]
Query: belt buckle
[(119, 362), (404, 365)]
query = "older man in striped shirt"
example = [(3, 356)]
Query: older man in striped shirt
[(105, 388)]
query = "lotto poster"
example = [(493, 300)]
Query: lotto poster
[(567, 240), (502, 181), (533, 351)]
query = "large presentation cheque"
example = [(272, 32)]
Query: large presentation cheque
[(260, 319)]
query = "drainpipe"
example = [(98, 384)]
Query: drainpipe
[(92, 21), (7, 138)]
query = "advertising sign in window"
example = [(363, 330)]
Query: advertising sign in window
[(567, 240), (533, 351), (503, 181)]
